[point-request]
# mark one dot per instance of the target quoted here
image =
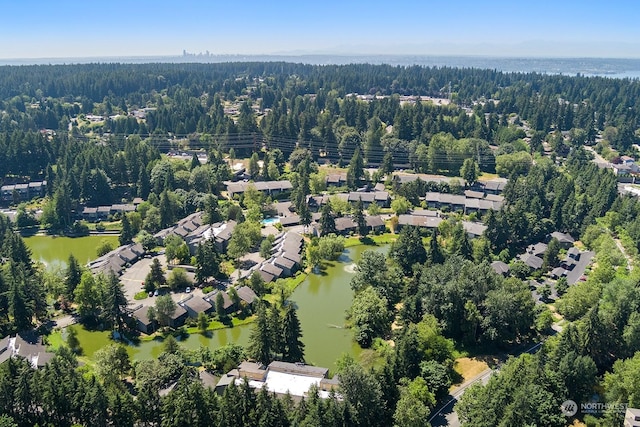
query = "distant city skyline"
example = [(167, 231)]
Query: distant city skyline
[(69, 29)]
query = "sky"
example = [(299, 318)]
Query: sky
[(541, 28)]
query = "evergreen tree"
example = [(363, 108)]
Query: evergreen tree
[(72, 277), (408, 249), (195, 162), (21, 309), (327, 222), (212, 212), (293, 348), (144, 184), (259, 347), (361, 222), (355, 172), (435, 255), (207, 261), (155, 278), (126, 235), (254, 167), (115, 307)]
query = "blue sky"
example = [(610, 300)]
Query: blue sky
[(63, 28)]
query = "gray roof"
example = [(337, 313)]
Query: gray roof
[(293, 256), (290, 220), (419, 221), (141, 315), (474, 228), (284, 262), (298, 369), (246, 294), (197, 304), (344, 223), (532, 261), (267, 277), (562, 237), (537, 249), (474, 194), (180, 311), (500, 267), (365, 197), (271, 269), (494, 198), (424, 212), (374, 221)]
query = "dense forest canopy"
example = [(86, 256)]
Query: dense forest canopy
[(100, 134)]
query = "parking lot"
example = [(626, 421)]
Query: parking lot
[(133, 278)]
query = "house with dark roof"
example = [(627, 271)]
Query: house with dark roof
[(196, 305), (288, 267), (473, 229), (532, 261), (574, 253), (336, 180), (537, 249), (141, 317), (266, 277), (500, 268), (375, 223), (247, 295), (26, 346), (345, 225), (558, 272), (494, 186), (271, 269), (565, 239), (178, 317), (471, 194)]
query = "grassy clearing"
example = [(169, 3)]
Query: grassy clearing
[(380, 239), (216, 324), (469, 367)]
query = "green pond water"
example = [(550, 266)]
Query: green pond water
[(322, 300), (55, 250)]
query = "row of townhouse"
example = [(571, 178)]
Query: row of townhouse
[(423, 218), (192, 306), (25, 191), (471, 201), (381, 198), (101, 213), (194, 231), (270, 188), (117, 260), (285, 260)]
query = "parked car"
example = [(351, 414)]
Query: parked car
[(188, 290)]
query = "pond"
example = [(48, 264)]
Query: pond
[(322, 300), (55, 250)]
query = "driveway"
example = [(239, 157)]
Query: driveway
[(134, 276)]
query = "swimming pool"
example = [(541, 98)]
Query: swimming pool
[(270, 221)]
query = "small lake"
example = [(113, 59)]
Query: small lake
[(55, 250), (322, 300)]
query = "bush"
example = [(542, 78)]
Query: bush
[(140, 295)]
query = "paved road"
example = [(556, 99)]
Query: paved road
[(446, 415), (597, 158)]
